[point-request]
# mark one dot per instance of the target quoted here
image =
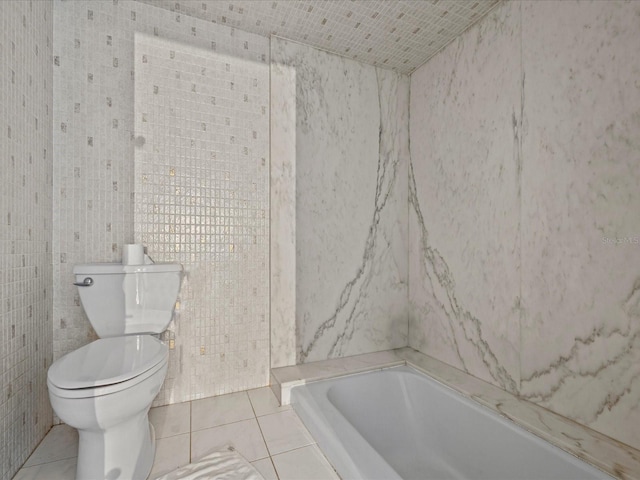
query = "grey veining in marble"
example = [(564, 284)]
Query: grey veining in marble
[(524, 231), (580, 224), (350, 193), (464, 195)]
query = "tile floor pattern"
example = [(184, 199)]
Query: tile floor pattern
[(271, 437)]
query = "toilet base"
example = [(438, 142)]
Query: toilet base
[(116, 441), (124, 452)]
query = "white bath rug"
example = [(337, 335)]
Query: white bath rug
[(225, 464)]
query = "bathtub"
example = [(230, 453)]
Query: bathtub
[(400, 424)]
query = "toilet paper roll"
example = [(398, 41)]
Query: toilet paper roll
[(133, 254)]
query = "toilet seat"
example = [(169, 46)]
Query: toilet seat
[(107, 365)]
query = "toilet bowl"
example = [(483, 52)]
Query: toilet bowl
[(105, 389)]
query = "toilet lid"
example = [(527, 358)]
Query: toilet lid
[(107, 361)]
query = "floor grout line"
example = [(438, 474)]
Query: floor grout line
[(50, 461), (225, 424), (24, 467), (170, 420), (190, 431), (270, 457)]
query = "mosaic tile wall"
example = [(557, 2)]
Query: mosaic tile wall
[(201, 189), (399, 34), (25, 228), (94, 194)]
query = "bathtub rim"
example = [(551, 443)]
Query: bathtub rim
[(594, 448), (335, 442)]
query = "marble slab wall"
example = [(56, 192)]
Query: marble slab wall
[(580, 212), (524, 233), (201, 196), (464, 184), (26, 171), (339, 159)]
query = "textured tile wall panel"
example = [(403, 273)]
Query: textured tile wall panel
[(201, 170), (95, 193), (25, 228), (396, 34)]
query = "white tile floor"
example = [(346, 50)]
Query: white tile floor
[(271, 437)]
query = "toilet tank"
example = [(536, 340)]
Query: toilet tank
[(128, 299)]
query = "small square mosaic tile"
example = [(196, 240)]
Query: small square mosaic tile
[(201, 188), (161, 137), (26, 87), (395, 34)]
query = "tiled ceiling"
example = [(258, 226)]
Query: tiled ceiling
[(396, 34)]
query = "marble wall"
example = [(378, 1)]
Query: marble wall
[(464, 202), (524, 233), (339, 151), (580, 203), (161, 135), (26, 300)]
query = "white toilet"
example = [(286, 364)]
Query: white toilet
[(105, 388)]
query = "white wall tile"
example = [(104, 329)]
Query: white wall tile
[(109, 190), (399, 34), (26, 86)]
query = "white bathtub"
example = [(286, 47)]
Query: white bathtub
[(401, 424)]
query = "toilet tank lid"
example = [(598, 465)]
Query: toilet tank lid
[(118, 268)]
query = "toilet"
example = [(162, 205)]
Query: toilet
[(105, 389)]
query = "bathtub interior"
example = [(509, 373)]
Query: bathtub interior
[(399, 423)]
